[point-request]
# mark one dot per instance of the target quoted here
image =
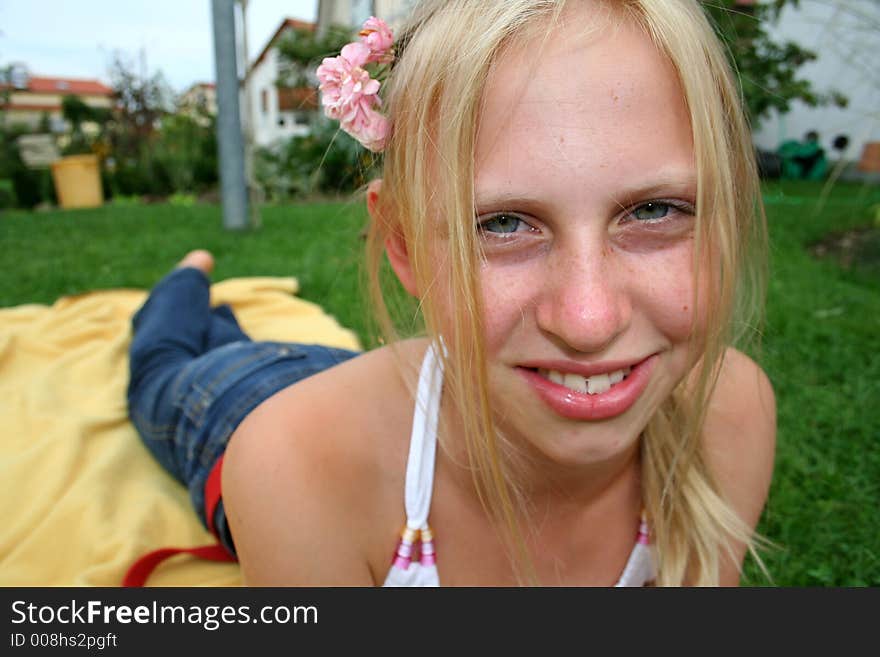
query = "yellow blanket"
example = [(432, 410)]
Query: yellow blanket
[(80, 498)]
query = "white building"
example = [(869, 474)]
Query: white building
[(277, 113), (199, 102), (355, 12), (845, 35)]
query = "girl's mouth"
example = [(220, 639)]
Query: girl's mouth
[(599, 396), (591, 385)]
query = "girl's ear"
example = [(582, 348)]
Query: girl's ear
[(395, 244)]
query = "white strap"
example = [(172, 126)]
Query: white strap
[(423, 442), (415, 575), (639, 568)]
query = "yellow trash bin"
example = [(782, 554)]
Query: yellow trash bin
[(78, 181)]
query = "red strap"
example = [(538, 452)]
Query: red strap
[(141, 569), (213, 493)]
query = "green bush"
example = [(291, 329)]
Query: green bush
[(30, 187), (180, 157), (123, 201), (33, 186), (185, 152), (180, 200), (7, 194), (327, 161)]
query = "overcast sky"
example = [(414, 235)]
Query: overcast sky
[(76, 38)]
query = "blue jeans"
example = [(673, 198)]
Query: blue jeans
[(195, 375)]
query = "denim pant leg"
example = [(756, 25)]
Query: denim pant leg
[(215, 393), (174, 326), (195, 375)]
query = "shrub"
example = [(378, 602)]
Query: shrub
[(327, 161), (7, 194), (178, 199)]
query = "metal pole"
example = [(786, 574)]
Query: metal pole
[(255, 192), (230, 144)]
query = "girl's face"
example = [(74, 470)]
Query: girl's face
[(585, 189)]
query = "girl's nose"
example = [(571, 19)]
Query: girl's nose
[(584, 302)]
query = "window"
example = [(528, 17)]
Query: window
[(264, 101)]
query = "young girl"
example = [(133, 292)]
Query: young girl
[(569, 190)]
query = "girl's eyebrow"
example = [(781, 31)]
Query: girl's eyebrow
[(681, 184), (507, 200), (677, 184)]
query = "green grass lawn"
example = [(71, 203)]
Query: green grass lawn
[(821, 342), (50, 254)]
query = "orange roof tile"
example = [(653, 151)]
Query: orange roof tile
[(68, 86)]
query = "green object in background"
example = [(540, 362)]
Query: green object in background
[(7, 194), (803, 160)]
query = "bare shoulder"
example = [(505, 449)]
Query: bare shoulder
[(740, 430), (740, 436), (309, 474)]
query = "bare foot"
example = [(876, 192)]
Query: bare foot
[(199, 259)]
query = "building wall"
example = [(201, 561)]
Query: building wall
[(27, 108), (271, 125), (394, 11), (199, 96), (846, 36), (355, 12), (52, 100)]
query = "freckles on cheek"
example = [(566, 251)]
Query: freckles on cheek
[(672, 296), (505, 304)]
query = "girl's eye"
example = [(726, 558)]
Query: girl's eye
[(660, 211), (651, 211), (501, 223)]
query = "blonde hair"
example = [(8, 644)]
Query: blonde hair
[(434, 99)]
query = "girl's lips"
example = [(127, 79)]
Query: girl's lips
[(582, 406)]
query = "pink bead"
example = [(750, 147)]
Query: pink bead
[(643, 533)]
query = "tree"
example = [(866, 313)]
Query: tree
[(77, 112), (300, 51), (767, 70), (185, 151), (141, 101)]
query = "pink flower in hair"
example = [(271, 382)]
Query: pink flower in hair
[(369, 127), (376, 34), (349, 94)]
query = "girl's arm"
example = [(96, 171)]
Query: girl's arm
[(740, 442), (295, 493)]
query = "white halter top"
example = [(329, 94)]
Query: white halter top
[(408, 571)]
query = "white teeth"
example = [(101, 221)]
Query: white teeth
[(598, 384), (593, 385), (575, 382)]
